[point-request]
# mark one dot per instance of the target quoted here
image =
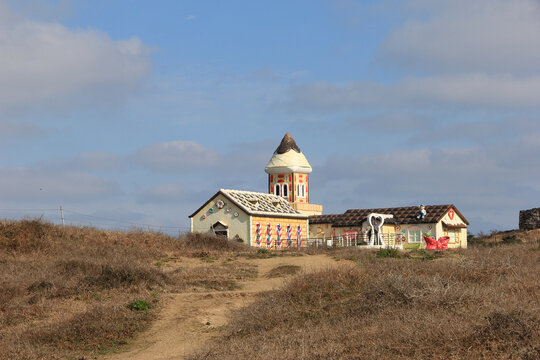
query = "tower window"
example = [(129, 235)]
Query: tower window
[(276, 190), (285, 190), (301, 190)]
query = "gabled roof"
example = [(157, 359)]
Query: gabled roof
[(255, 203), (402, 215)]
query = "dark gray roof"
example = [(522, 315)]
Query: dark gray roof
[(402, 215)]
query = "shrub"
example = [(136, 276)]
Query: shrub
[(511, 239), (388, 253), (139, 305)]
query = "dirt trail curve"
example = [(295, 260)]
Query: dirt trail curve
[(181, 327)]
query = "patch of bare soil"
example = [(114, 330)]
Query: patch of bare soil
[(189, 320)]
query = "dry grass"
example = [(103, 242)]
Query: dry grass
[(476, 303), (64, 291), (283, 270)]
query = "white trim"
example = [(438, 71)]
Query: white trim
[(301, 191), (277, 187), (286, 169), (250, 229)]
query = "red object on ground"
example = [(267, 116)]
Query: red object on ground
[(431, 244), (441, 244)]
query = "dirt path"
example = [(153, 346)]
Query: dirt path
[(189, 320)]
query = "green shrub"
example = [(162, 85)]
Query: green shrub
[(511, 239), (412, 246), (263, 251), (388, 253), (139, 305)]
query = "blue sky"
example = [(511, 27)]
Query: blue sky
[(138, 111)]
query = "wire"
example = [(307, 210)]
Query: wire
[(125, 222), (28, 209), (116, 222)]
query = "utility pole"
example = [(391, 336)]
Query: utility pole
[(62, 214)]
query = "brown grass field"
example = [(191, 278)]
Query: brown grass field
[(64, 294), (65, 291), (479, 303)]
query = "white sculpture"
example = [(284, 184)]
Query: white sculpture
[(376, 222)]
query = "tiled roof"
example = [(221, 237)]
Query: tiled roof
[(402, 215), (255, 203), (324, 219)]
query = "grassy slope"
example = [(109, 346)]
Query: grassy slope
[(477, 303), (64, 291)]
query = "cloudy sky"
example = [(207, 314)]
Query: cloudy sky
[(138, 111)]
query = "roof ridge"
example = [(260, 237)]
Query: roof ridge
[(250, 192)]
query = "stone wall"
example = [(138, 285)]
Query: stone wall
[(529, 219)]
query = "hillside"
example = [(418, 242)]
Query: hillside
[(84, 293), (482, 302), (72, 292)]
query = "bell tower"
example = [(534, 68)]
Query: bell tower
[(288, 176)]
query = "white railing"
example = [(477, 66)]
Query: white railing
[(390, 240), (362, 241)]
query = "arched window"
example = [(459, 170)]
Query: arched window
[(276, 190), (285, 190), (303, 190)]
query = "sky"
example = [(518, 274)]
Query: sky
[(133, 113)]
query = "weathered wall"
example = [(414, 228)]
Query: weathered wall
[(238, 225), (529, 219)]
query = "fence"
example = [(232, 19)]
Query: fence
[(362, 241)]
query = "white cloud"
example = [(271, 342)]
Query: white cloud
[(15, 129), (171, 193), (37, 184), (92, 161), (393, 121), (48, 64), (466, 90), (176, 156), (468, 36), (490, 183)]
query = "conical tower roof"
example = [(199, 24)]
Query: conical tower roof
[(288, 158)]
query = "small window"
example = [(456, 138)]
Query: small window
[(454, 236), (301, 190), (276, 190), (414, 236), (285, 190)]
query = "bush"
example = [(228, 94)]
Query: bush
[(139, 305), (388, 253), (511, 239)]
